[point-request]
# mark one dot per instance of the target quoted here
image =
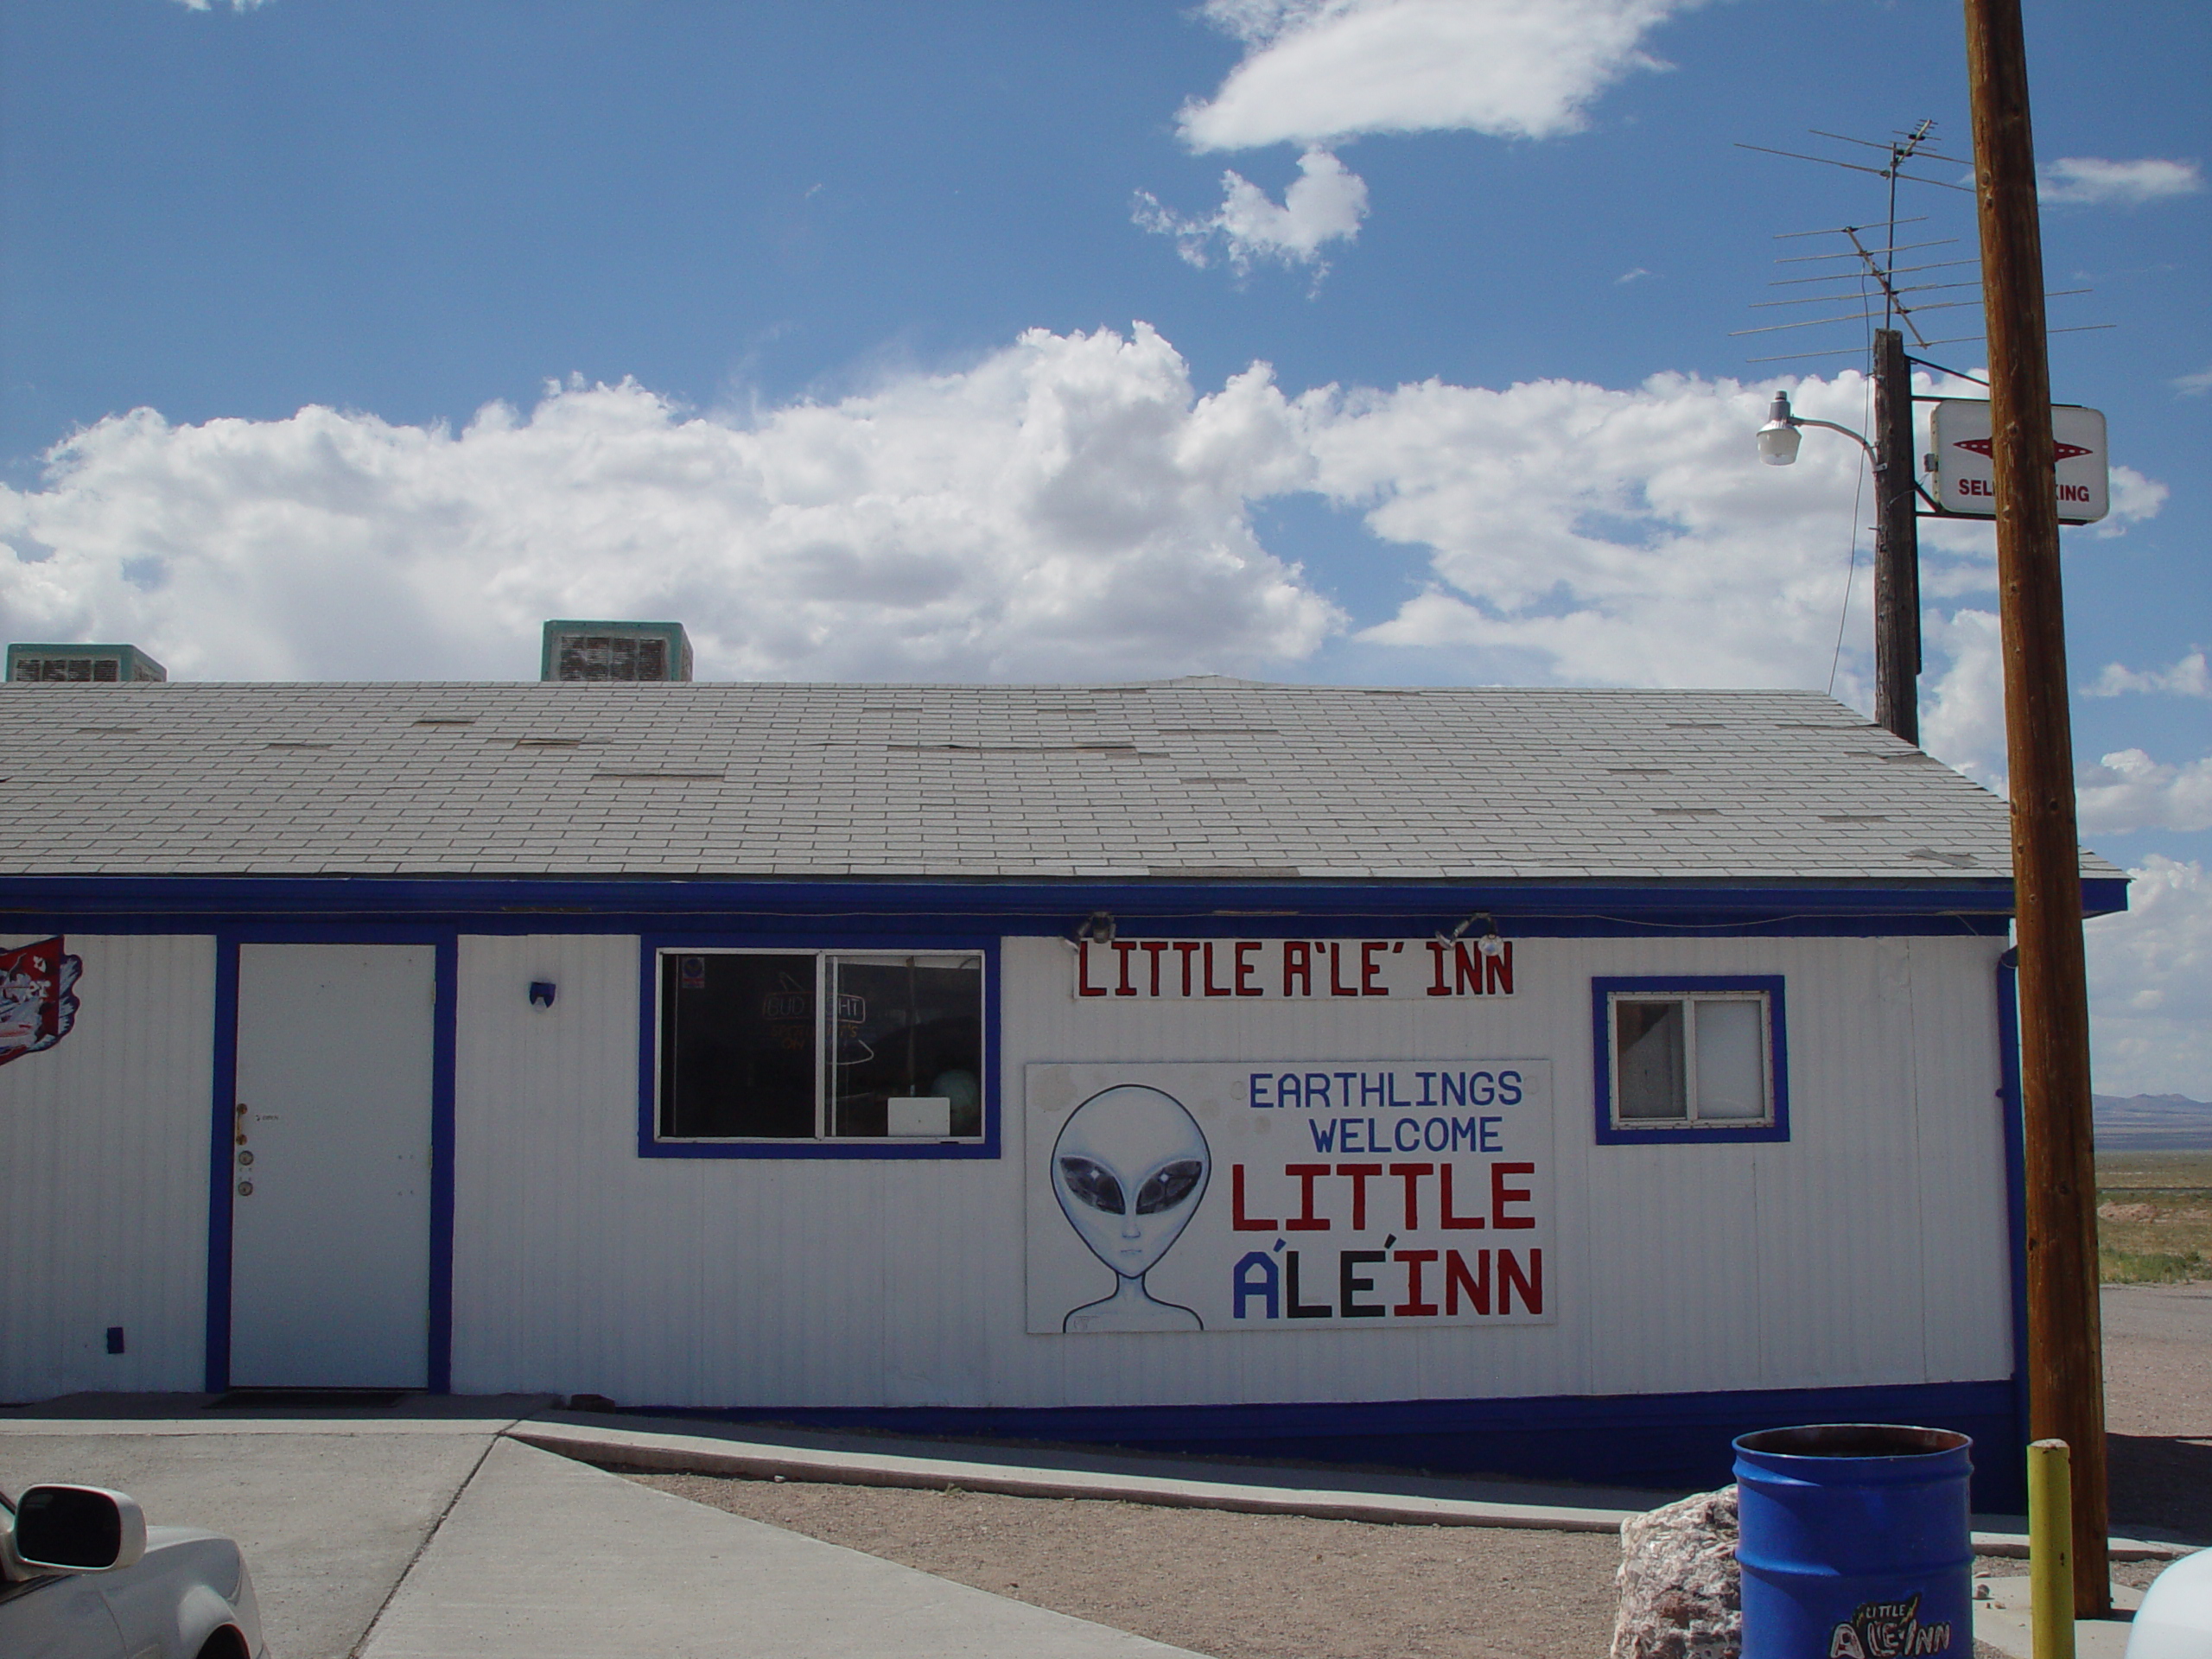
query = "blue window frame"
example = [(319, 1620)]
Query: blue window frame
[(1681, 1059), (851, 1049)]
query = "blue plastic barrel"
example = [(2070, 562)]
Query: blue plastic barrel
[(1855, 1542)]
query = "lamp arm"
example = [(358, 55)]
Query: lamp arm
[(1802, 420)]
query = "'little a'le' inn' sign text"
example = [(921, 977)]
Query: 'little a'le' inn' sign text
[(1194, 970)]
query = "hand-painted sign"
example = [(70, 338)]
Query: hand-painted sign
[(1966, 471), (37, 1003), (1296, 970), (1292, 1195)]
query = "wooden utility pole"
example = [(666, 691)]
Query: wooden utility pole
[(2065, 1362), (1897, 543)]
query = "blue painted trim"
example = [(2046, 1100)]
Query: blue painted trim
[(1664, 1441), (1612, 1135), (444, 1027), (651, 1146), (216, 1358), (2016, 1184), (1564, 909)]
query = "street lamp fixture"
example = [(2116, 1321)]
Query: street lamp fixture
[(1778, 438)]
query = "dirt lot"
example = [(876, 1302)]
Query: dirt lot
[(1247, 1586)]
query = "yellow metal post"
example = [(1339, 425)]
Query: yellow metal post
[(2051, 1546)]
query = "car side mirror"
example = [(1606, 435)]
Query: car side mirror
[(78, 1529)]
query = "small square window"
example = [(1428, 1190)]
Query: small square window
[(808, 1045), (1702, 1056)]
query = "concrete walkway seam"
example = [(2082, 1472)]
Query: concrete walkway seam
[(429, 1537)]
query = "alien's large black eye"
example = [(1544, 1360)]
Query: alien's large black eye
[(1093, 1182), (1170, 1186)]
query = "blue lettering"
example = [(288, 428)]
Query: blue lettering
[(1427, 1088), (1455, 1089), (1398, 1134), (1255, 1276), (1437, 1136), (1375, 1088), (1345, 1078), (1392, 1078), (1324, 1132), (1482, 1089), (1509, 1088), (1286, 1091), (1259, 1082), (1490, 1135), (1317, 1090), (1462, 1129)]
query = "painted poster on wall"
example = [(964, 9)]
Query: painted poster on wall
[(1304, 1195), (38, 1002)]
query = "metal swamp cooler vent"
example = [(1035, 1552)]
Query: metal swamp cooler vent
[(615, 651), (89, 665)]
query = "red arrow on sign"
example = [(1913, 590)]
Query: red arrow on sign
[(2059, 451)]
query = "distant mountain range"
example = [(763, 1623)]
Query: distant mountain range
[(2152, 1124)]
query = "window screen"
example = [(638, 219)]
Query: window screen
[(1691, 1058), (812, 1046)]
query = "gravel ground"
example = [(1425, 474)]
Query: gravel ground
[(1236, 1586), (1253, 1586)]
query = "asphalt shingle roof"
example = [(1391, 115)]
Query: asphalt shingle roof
[(1194, 778)]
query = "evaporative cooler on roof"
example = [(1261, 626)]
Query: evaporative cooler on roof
[(615, 651), (101, 665)]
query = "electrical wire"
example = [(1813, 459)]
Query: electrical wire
[(1858, 495)]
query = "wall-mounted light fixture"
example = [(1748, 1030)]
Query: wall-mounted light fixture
[(1097, 928), (1491, 944), (541, 992)]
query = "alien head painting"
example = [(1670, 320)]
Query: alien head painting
[(1128, 1169)]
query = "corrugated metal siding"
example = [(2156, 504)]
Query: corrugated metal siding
[(1870, 1247), (104, 1177)]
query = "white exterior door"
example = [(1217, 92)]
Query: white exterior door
[(330, 1206)]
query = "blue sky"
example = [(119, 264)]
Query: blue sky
[(878, 340)]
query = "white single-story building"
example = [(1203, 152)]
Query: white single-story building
[(1548, 1082)]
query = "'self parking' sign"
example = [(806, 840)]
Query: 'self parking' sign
[(1966, 471)]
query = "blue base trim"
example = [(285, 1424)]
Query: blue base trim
[(1664, 1441)]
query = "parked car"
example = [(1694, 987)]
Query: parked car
[(2175, 1621), (82, 1576)]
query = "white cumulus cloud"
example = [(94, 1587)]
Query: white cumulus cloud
[(1316, 71), (2194, 385), (2092, 181), (2151, 984), (1069, 507), (2128, 790), (2189, 677), (1324, 204)]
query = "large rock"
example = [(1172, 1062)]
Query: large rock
[(1682, 1595)]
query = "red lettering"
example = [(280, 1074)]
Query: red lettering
[(1246, 970), (1370, 971), (1082, 985), (1155, 949), (1411, 1174), (1298, 965), (1451, 1222), (1532, 1284), (1456, 1278), (1466, 969), (1358, 1174), (1337, 987), (1187, 950), (1413, 1307), (1212, 989), (1305, 1221), (1498, 970), (1501, 1195), (1436, 962), (1237, 1219), (1125, 949)]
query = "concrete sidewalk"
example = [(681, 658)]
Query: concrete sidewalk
[(543, 1558)]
